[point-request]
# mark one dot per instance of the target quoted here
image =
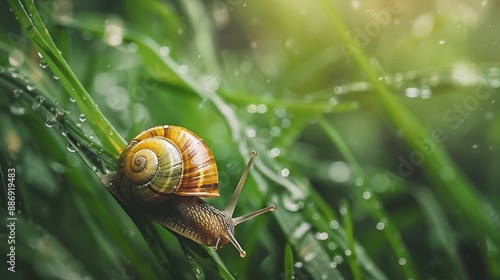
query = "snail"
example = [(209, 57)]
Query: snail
[(163, 172)]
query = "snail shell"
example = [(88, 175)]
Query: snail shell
[(163, 172), (166, 160)]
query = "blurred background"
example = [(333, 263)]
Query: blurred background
[(376, 125)]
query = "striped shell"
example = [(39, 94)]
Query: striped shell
[(166, 160)]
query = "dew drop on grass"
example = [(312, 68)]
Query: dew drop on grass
[(334, 224), (17, 110), (30, 87), (298, 264), (49, 123), (42, 64), (338, 259), (70, 148), (402, 261), (72, 100), (474, 146), (261, 108), (251, 133), (252, 108), (55, 77), (339, 171), (347, 252), (183, 69), (367, 195), (17, 92), (412, 92), (82, 118), (359, 182), (285, 172), (274, 152), (164, 51), (333, 264), (286, 123), (321, 235), (332, 245), (275, 131), (16, 58), (380, 226)]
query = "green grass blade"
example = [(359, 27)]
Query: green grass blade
[(390, 231), (289, 274), (28, 17), (345, 211)]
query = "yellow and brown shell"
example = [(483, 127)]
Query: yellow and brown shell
[(162, 161)]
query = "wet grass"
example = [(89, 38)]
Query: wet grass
[(369, 184)]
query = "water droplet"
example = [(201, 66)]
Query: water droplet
[(321, 235), (30, 87), (359, 182), (302, 229), (339, 171), (17, 110), (285, 123), (64, 133), (367, 195), (412, 92), (71, 149), (113, 33), (275, 131), (334, 224), (425, 93), (261, 108), (343, 211), (164, 51), (16, 58), (252, 108), (332, 246), (111, 133), (55, 77), (43, 64), (338, 259), (49, 123), (285, 172), (298, 264), (251, 133), (82, 118), (17, 92), (333, 264), (402, 261), (441, 42), (274, 152), (183, 69), (280, 112), (380, 226), (348, 252), (475, 146)]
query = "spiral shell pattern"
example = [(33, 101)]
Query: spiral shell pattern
[(166, 160)]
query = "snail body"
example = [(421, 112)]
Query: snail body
[(164, 172)]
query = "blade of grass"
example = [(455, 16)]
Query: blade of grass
[(345, 211), (437, 222), (390, 230), (289, 274), (30, 21)]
